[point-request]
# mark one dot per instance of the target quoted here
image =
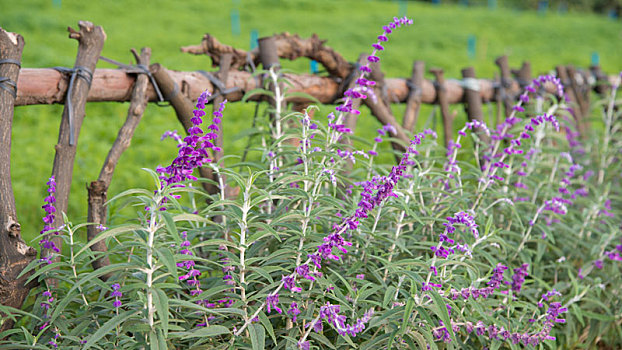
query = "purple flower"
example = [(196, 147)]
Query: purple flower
[(48, 229), (116, 294), (497, 276), (428, 286), (115, 291), (293, 310), (362, 84), (330, 313), (193, 152), (519, 278), (272, 303), (174, 135), (289, 282)]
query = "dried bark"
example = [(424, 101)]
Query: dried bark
[(509, 88), (15, 255), (413, 103), (288, 46), (48, 86), (442, 101), (215, 50), (601, 87), (523, 74), (473, 104), (90, 43), (582, 94), (97, 190), (562, 73)]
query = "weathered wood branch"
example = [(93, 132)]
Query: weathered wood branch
[(97, 190), (15, 255), (509, 88), (603, 82), (48, 86), (413, 103), (576, 82), (573, 99), (90, 43), (523, 74), (442, 100), (215, 50), (473, 104), (288, 46)]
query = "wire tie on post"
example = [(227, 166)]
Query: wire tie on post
[(139, 69), (7, 84), (11, 61), (470, 84), (77, 72), (218, 85)]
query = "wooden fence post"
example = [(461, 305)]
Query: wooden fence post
[(602, 86), (473, 102), (90, 43), (506, 86), (413, 103), (582, 94), (97, 190), (523, 74), (562, 74), (441, 99), (15, 255)]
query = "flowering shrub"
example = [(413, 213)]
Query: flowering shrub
[(516, 242)]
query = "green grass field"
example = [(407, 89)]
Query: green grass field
[(439, 37)]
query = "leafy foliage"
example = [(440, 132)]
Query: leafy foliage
[(323, 247)]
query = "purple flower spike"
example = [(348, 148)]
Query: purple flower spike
[(193, 151), (48, 219), (519, 278), (293, 310), (116, 294), (497, 277)]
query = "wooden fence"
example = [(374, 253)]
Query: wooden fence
[(144, 82)]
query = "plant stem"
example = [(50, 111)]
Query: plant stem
[(398, 230), (607, 131), (242, 247), (151, 230)]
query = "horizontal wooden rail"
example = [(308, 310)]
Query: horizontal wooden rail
[(48, 86)]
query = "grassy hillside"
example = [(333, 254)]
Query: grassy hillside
[(439, 37)]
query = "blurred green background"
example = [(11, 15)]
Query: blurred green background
[(439, 36)]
